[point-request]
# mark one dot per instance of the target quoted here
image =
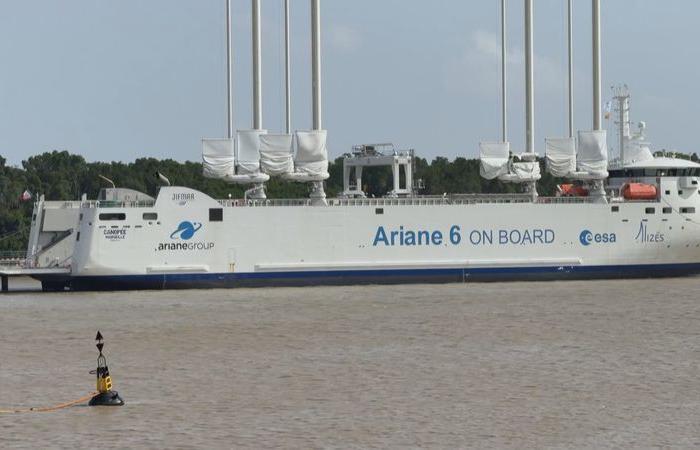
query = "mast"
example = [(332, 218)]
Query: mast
[(316, 63), (571, 67), (504, 105), (287, 85), (229, 73), (597, 107), (529, 81), (257, 63)]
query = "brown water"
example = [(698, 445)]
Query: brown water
[(514, 365)]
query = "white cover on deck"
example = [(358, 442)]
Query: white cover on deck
[(561, 156), (217, 158), (494, 158), (248, 154), (592, 155), (276, 153), (312, 156), (527, 171)]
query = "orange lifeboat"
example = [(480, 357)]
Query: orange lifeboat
[(639, 191), (572, 190)]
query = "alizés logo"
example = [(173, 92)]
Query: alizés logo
[(644, 236), (186, 230), (587, 237)]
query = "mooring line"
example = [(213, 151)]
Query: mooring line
[(50, 408)]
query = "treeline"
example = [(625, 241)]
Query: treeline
[(64, 176)]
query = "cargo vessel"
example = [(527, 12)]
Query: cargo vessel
[(632, 215)]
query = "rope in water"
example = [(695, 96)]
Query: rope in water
[(50, 408)]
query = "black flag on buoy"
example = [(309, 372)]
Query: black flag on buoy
[(99, 336)]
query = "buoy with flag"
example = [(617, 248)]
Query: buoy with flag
[(105, 396)]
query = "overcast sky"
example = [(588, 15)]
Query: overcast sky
[(118, 80)]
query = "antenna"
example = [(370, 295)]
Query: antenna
[(257, 67), (287, 83), (316, 63), (504, 115), (597, 107), (229, 73), (529, 81), (570, 33)]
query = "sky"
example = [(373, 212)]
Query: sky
[(120, 80)]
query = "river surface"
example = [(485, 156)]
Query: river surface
[(594, 364)]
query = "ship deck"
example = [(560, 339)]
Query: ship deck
[(417, 200)]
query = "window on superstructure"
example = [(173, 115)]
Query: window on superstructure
[(650, 210), (112, 216), (150, 216), (379, 210), (667, 210), (688, 210), (216, 215), (615, 209)]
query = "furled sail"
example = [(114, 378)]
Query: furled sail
[(312, 156), (592, 155), (248, 155), (526, 170), (494, 158), (217, 158), (276, 153), (560, 154)]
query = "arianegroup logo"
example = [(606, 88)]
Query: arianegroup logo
[(186, 230), (184, 233), (587, 237)]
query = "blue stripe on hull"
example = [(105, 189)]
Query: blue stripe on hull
[(398, 276)]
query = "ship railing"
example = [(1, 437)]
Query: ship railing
[(453, 199), (76, 204), (13, 259)]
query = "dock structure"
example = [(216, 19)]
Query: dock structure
[(7, 272), (16, 264)]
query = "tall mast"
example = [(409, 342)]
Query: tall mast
[(571, 67), (316, 63), (504, 105), (229, 73), (597, 107), (257, 63), (529, 81), (287, 84)]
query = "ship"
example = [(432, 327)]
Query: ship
[(628, 216)]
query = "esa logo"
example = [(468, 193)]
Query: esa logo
[(587, 238), (186, 230)]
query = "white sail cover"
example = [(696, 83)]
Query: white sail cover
[(248, 155), (561, 156), (312, 155), (527, 170), (217, 158), (593, 152), (276, 153), (494, 159)]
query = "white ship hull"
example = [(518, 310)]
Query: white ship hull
[(375, 241)]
